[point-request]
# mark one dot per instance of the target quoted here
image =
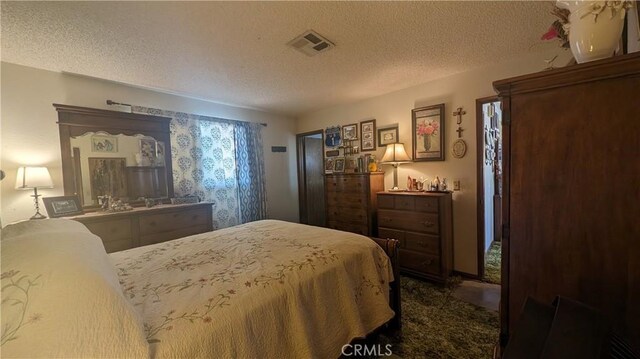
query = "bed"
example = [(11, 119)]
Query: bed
[(267, 289)]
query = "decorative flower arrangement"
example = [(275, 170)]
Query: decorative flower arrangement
[(429, 128), (560, 28)]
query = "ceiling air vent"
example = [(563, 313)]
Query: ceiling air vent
[(311, 43)]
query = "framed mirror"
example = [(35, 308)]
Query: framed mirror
[(118, 154)]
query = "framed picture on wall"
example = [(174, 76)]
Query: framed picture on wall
[(427, 127), (350, 132), (338, 165), (328, 165), (368, 135), (387, 135)]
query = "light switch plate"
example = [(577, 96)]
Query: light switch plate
[(456, 185)]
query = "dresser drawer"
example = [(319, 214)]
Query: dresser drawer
[(391, 234), (156, 223), (385, 201), (426, 204), (115, 234), (404, 203), (350, 200), (346, 184), (419, 262), (423, 243), (348, 215), (349, 227), (410, 221)]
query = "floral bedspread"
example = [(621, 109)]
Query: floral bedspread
[(267, 289)]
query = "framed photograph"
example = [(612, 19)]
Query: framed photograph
[(427, 127), (62, 206), (101, 143), (368, 135), (108, 176), (328, 165), (350, 132), (338, 165), (149, 151), (387, 135)]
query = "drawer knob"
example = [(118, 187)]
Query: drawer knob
[(427, 262), (428, 224)]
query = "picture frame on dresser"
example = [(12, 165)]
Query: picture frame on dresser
[(62, 206), (428, 128), (338, 165)]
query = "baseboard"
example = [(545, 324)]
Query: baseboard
[(466, 275)]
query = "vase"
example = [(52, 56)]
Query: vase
[(427, 142), (595, 28)]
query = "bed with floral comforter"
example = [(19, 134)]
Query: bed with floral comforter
[(266, 289)]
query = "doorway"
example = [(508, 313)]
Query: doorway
[(489, 141), (310, 149)]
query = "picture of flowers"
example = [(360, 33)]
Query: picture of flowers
[(428, 133)]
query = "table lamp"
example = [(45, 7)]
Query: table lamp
[(395, 155), (34, 178)]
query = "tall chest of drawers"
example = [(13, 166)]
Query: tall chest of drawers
[(423, 223), (351, 201)]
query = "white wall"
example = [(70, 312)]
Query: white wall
[(29, 133), (460, 90)]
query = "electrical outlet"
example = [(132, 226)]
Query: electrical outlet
[(456, 185)]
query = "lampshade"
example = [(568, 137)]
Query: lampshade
[(33, 177), (395, 153)]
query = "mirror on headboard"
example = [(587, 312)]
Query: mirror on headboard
[(123, 155)]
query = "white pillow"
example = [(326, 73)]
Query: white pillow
[(61, 296)]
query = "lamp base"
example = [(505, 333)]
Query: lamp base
[(38, 215)]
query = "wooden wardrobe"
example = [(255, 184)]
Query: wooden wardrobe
[(571, 205)]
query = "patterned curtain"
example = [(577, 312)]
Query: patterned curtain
[(219, 161), (250, 171)]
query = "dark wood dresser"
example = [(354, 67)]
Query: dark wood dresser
[(351, 201), (143, 226), (571, 204), (423, 223)]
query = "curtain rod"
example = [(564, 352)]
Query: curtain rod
[(209, 118)]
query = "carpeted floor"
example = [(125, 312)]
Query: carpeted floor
[(437, 325), (492, 263)]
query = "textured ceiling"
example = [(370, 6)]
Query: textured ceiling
[(235, 52)]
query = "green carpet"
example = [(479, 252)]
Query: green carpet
[(437, 325), (492, 263)]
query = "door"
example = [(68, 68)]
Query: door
[(488, 128), (311, 178)]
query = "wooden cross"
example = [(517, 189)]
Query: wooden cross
[(459, 112)]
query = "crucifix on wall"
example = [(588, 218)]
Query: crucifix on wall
[(459, 112), (459, 146)]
